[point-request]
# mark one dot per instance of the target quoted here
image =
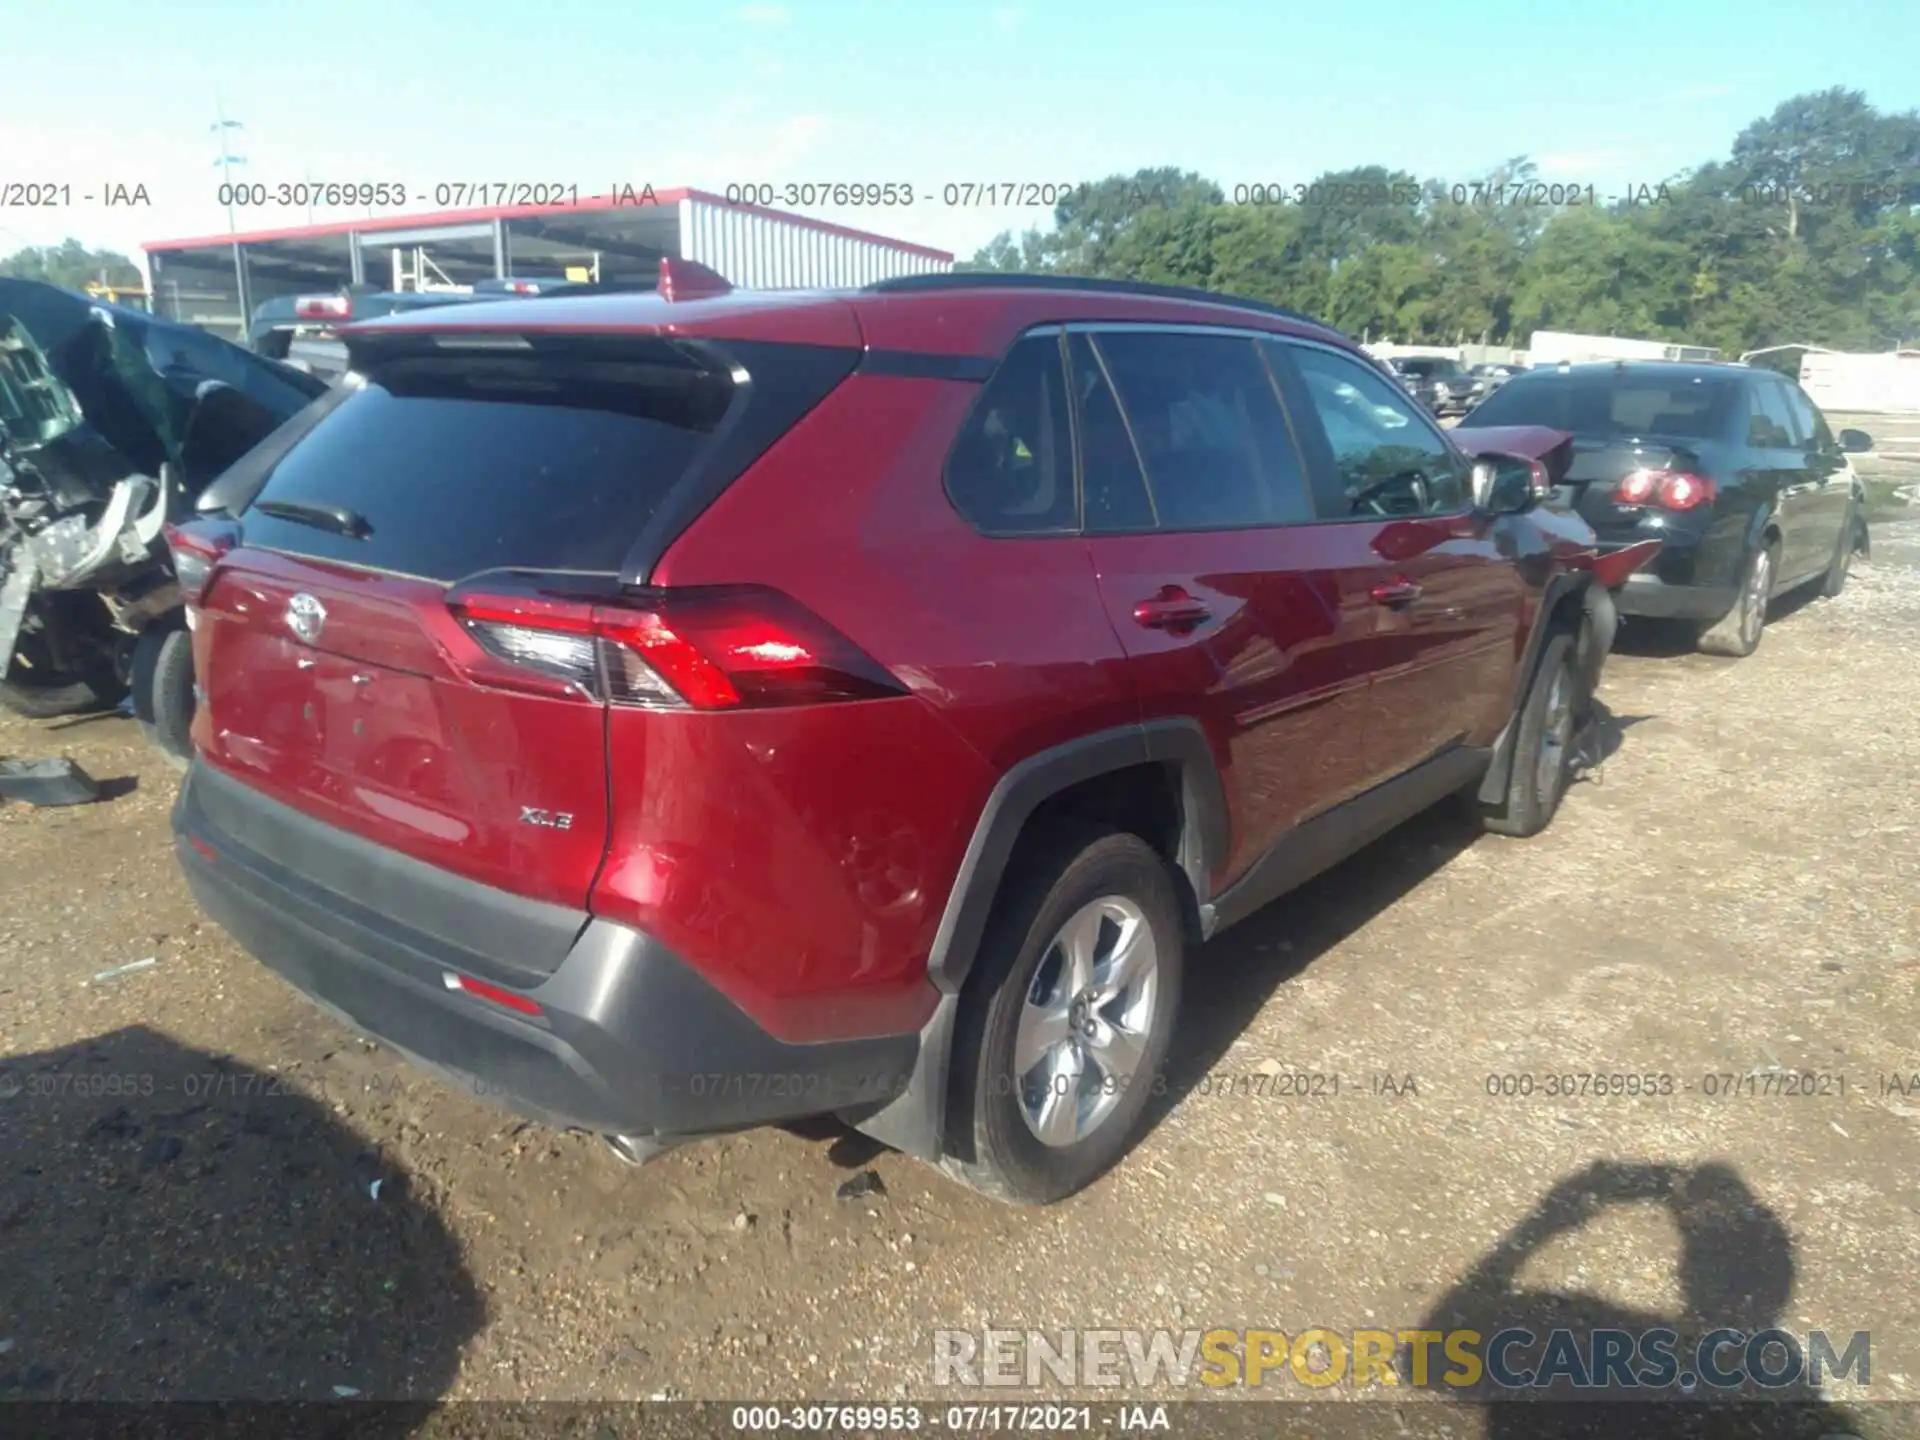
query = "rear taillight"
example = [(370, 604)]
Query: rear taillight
[(521, 287), (322, 307), (1669, 489), (731, 648), (196, 547)]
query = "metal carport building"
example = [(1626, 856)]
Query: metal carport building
[(200, 281)]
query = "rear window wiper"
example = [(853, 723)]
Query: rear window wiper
[(337, 518)]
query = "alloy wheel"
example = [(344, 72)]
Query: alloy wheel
[(1754, 602), (1086, 1021)]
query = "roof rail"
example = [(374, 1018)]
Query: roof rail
[(1021, 280)]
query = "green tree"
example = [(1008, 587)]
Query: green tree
[(72, 265), (1807, 231)]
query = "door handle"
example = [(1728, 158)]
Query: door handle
[(1172, 609), (1395, 593)]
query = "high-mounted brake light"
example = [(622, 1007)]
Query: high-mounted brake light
[(690, 280), (196, 547), (1669, 489), (323, 307), (725, 648)]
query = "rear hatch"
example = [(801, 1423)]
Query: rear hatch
[(1623, 418), (358, 645)]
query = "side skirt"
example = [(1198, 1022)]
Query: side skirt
[(1332, 836)]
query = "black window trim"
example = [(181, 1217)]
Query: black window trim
[(1093, 328), (1331, 487)]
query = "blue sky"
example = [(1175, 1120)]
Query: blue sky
[(922, 91)]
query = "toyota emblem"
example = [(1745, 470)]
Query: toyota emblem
[(305, 617)]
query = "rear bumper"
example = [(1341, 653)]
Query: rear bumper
[(1651, 598), (1691, 577), (629, 1038)]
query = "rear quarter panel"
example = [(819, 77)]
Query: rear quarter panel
[(818, 847)]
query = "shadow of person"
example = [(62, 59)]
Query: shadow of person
[(1735, 1273), (175, 1226)]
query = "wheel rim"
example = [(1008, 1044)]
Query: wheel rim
[(1556, 734), (1754, 613), (1086, 1020)]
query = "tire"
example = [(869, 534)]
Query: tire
[(163, 690), (1737, 633), (1036, 1140), (36, 687), (44, 702), (63, 693), (1836, 577), (1543, 745)]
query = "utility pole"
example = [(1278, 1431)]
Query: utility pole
[(226, 161)]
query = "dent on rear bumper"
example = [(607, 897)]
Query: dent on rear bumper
[(630, 1038)]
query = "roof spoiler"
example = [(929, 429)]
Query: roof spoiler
[(690, 280)]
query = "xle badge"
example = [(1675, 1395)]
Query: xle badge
[(546, 819)]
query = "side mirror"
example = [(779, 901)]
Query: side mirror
[(1855, 442), (1508, 484)]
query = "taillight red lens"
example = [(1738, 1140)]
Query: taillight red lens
[(322, 307), (1636, 489), (710, 649), (196, 547), (1669, 489)]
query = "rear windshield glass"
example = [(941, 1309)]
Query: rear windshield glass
[(1429, 367), (463, 464), (1689, 407)]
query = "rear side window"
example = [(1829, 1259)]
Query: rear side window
[(1769, 424), (1209, 429), (1011, 470), (463, 463), (1615, 405), (1810, 426)]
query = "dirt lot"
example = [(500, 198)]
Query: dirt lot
[(1736, 896)]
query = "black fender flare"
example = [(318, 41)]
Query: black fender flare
[(915, 1120), (1599, 618)]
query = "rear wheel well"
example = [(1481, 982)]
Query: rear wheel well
[(1569, 615), (1145, 800)]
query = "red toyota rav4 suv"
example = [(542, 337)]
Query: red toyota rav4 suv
[(670, 714)]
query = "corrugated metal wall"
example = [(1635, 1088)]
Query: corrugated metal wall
[(760, 252)]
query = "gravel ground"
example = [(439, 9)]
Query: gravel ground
[(188, 1152)]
